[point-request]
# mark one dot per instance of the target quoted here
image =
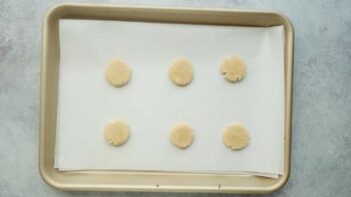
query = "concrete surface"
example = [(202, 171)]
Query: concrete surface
[(321, 154)]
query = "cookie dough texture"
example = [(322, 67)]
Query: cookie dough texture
[(235, 136), (116, 132), (181, 72), (118, 73), (182, 135), (233, 68)]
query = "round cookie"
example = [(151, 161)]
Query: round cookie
[(182, 135), (233, 68), (235, 136), (116, 132), (118, 73), (181, 72)]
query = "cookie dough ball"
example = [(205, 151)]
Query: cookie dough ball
[(182, 135), (181, 72), (118, 73), (233, 68), (116, 132), (235, 136)]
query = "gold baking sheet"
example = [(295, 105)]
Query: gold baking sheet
[(150, 181)]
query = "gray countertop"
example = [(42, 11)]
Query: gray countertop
[(321, 144)]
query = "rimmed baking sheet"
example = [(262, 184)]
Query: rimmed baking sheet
[(143, 180)]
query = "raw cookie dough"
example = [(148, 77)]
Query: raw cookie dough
[(233, 68), (181, 72), (118, 73), (116, 133), (182, 135), (235, 136)]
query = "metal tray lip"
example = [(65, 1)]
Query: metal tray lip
[(60, 7), (57, 11)]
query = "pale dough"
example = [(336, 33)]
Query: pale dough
[(182, 135), (235, 136), (233, 68), (181, 72), (116, 132), (118, 73)]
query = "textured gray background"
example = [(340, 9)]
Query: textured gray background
[(321, 154)]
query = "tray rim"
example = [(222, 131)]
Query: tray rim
[(56, 13)]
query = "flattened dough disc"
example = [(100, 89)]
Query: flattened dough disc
[(118, 73), (233, 68), (181, 72), (116, 132), (182, 135), (235, 136)]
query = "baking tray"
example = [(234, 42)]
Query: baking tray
[(119, 180)]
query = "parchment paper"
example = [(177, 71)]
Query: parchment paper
[(151, 104)]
